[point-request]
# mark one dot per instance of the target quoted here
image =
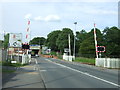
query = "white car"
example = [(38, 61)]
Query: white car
[(37, 55)]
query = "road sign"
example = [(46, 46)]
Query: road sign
[(15, 40), (100, 48), (66, 50)]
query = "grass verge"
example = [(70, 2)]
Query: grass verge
[(0, 62), (85, 60), (7, 71), (13, 64)]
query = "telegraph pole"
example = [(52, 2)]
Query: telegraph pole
[(69, 45)]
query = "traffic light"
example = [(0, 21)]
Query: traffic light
[(100, 48), (25, 46)]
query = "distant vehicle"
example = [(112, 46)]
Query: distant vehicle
[(37, 55)]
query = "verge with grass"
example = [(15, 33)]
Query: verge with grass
[(13, 64), (85, 60), (7, 71)]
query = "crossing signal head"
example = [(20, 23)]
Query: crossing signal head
[(25, 46), (100, 48)]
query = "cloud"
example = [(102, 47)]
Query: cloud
[(39, 18), (49, 18), (28, 16), (102, 12)]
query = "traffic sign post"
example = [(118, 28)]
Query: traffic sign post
[(15, 41)]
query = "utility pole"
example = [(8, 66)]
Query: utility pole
[(74, 40), (69, 44)]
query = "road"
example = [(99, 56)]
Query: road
[(64, 74)]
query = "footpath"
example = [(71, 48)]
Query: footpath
[(24, 77)]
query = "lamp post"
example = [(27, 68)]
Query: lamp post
[(74, 40)]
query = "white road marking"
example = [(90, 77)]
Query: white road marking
[(35, 67), (85, 74), (36, 61), (43, 70)]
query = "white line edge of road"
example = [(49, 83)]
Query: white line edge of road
[(85, 73), (36, 61)]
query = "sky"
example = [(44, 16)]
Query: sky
[(49, 15)]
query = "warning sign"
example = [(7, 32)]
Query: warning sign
[(15, 39)]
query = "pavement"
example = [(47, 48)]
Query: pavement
[(23, 77)]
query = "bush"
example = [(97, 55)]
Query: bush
[(53, 53)]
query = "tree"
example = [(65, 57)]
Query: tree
[(80, 37), (38, 41), (6, 41), (112, 41), (62, 40), (1, 44), (51, 40), (87, 46)]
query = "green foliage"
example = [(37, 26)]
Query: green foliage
[(51, 40), (7, 71), (38, 41), (80, 37), (53, 53), (6, 41), (112, 41), (87, 48), (85, 44), (12, 64), (85, 60), (62, 40), (1, 44)]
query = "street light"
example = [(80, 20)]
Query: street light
[(74, 40)]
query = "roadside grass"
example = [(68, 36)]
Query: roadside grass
[(85, 60), (0, 62), (60, 57), (5, 63), (7, 71)]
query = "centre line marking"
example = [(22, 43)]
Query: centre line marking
[(86, 74)]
